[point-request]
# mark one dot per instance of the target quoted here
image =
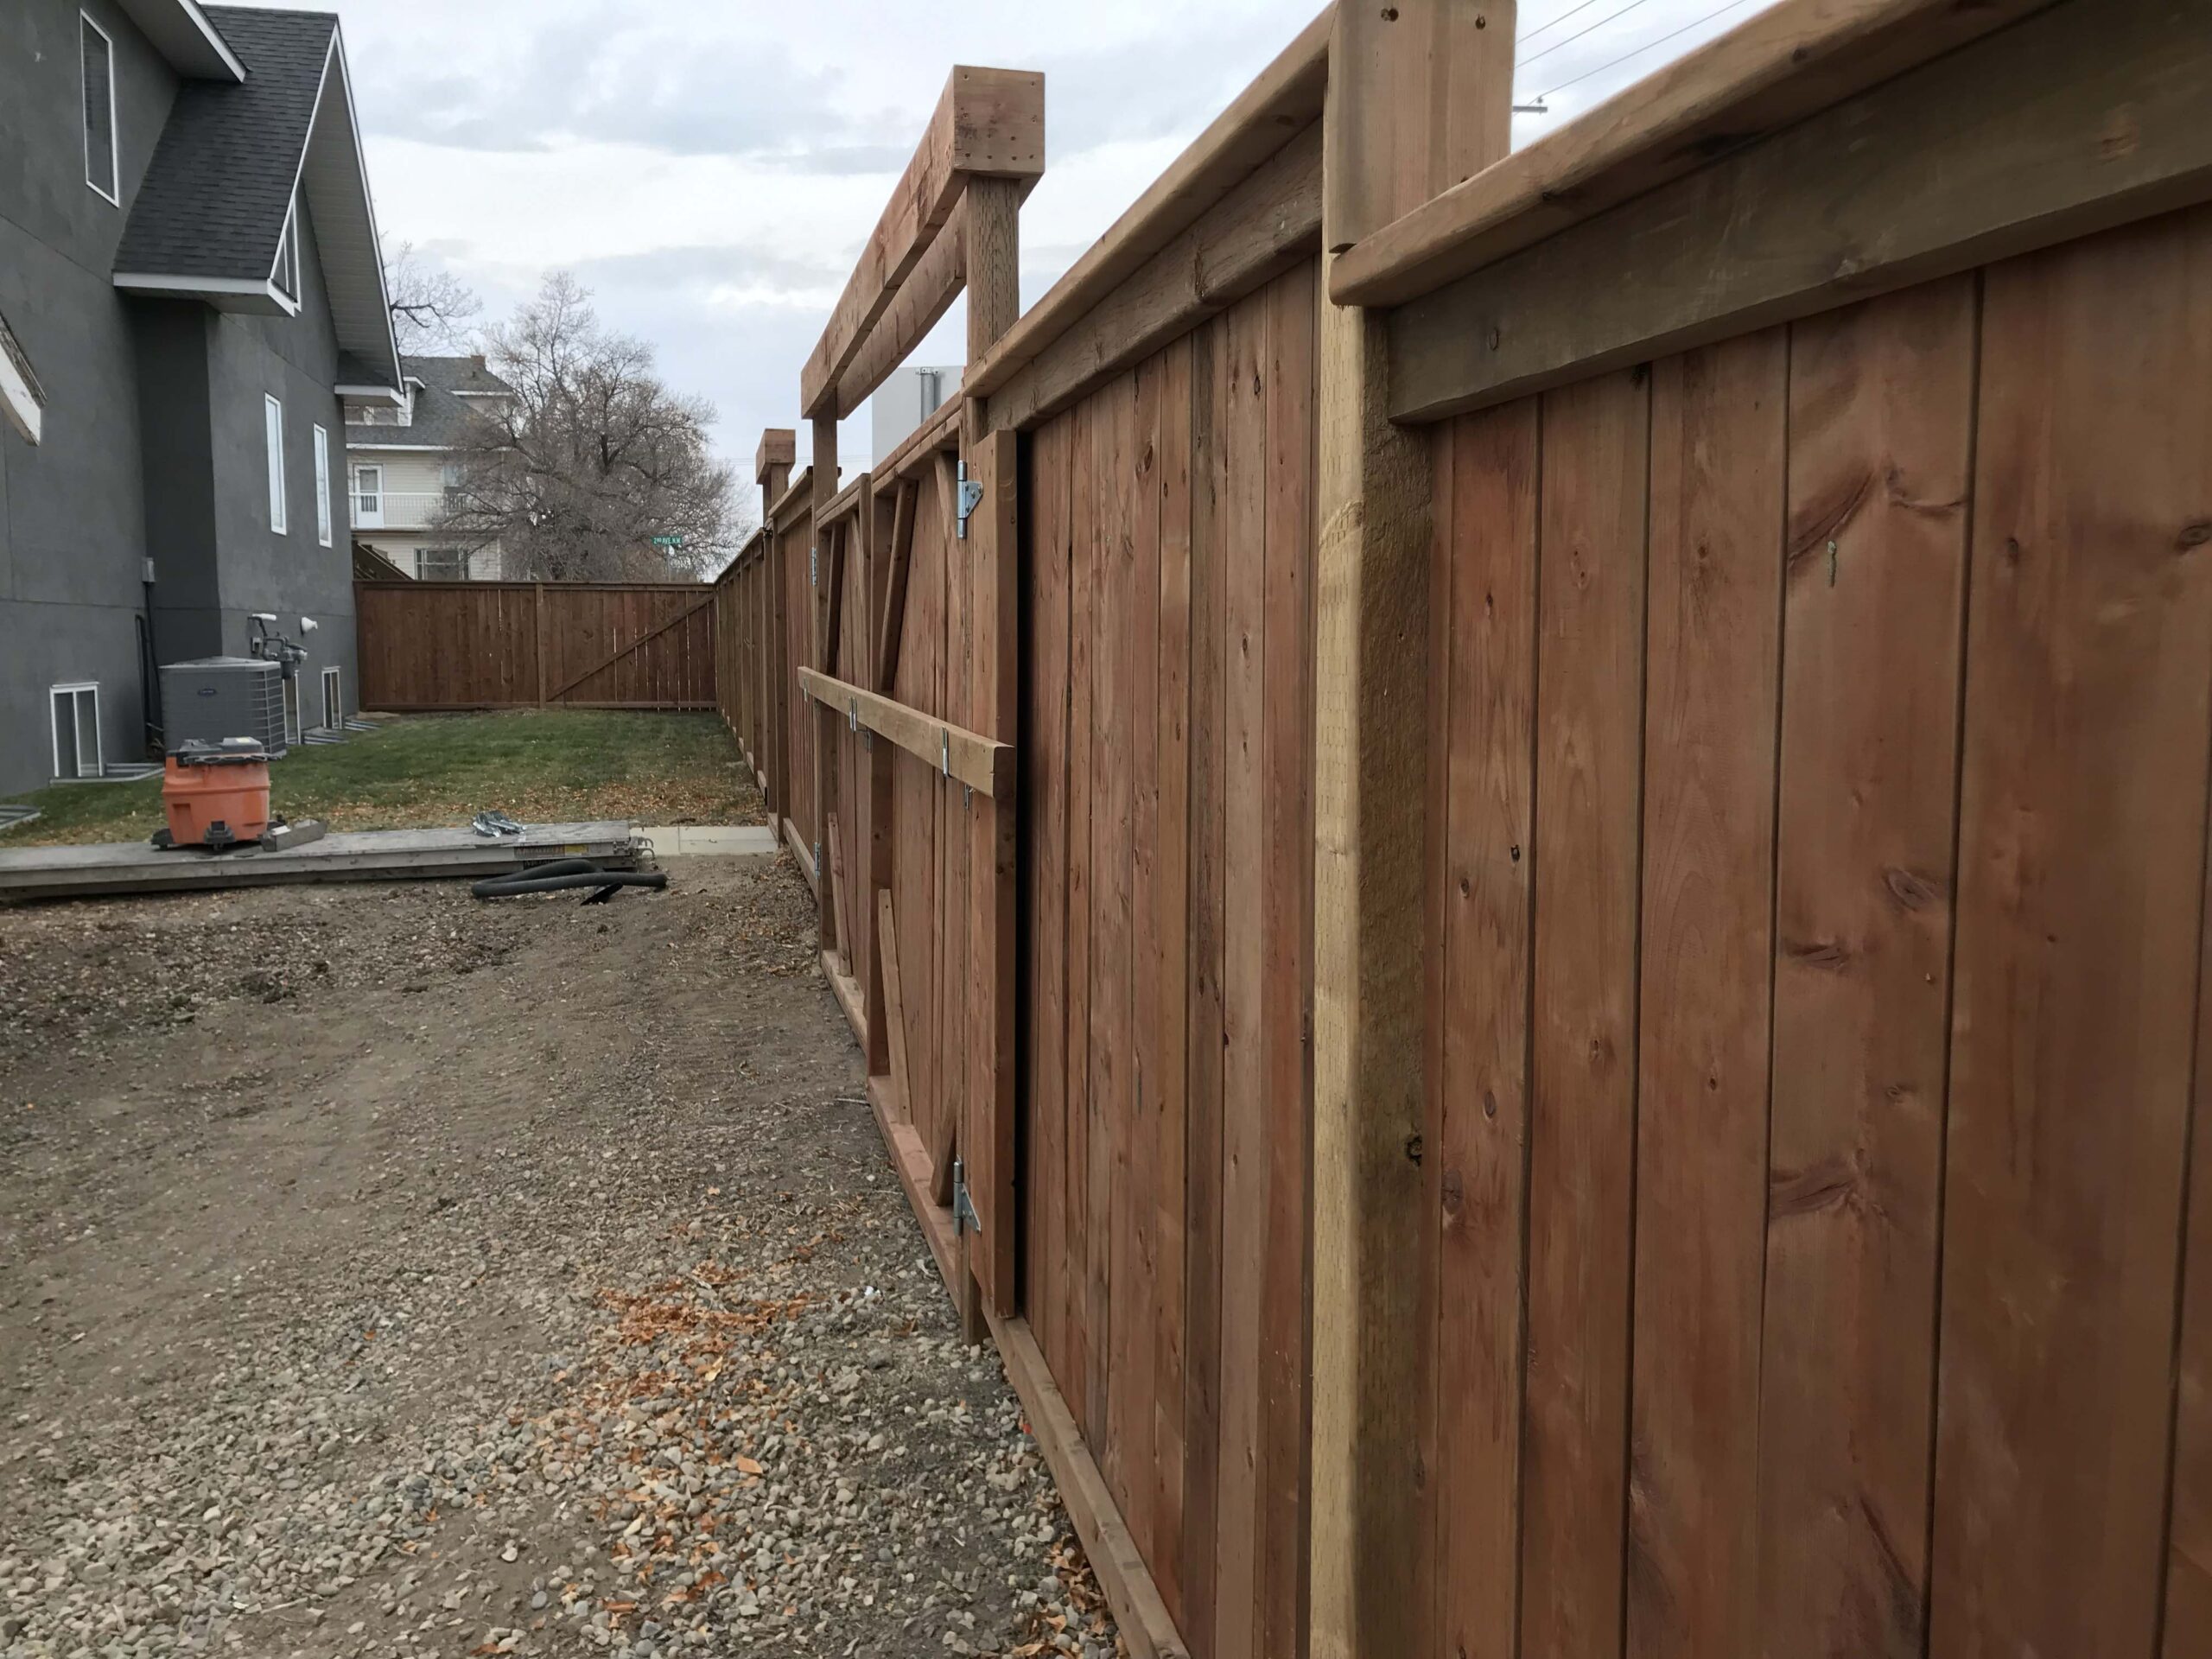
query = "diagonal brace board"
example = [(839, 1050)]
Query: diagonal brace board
[(639, 644)]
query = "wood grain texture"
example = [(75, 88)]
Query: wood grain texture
[(2089, 659), (1488, 804), (1596, 441), (1881, 411), (1715, 574), (1202, 1279), (1245, 1157), (2076, 120)]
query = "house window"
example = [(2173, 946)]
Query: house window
[(76, 711), (96, 61), (287, 274), (275, 412), (322, 485), (441, 564), (368, 497), (333, 706)]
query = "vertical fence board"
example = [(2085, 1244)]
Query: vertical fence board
[(2089, 656), (1717, 471), (1209, 886), (1086, 1226), (1596, 440), (1244, 1079), (1880, 430), (1489, 762)]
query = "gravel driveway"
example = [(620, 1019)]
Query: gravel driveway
[(384, 1272)]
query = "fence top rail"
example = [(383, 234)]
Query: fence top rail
[(846, 501), (937, 431), (1282, 102), (989, 123), (750, 548), (799, 489), (1776, 68), (525, 586)]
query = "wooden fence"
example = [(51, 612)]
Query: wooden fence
[(1542, 854), (432, 645)]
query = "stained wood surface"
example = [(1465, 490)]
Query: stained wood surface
[(1881, 402), (1589, 762), (425, 646), (2080, 853)]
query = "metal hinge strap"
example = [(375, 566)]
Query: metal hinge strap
[(971, 494), (964, 1218)]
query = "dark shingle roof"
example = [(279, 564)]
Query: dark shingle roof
[(441, 418), (214, 198)]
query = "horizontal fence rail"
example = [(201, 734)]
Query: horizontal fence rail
[(1517, 839)]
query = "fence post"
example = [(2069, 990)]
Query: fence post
[(825, 721), (537, 625), (772, 469), (1420, 97)]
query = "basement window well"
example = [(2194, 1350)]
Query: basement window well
[(76, 712)]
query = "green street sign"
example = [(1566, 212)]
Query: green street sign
[(668, 541)]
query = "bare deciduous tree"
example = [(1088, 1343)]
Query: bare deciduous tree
[(432, 311), (591, 458)]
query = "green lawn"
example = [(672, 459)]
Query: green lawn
[(540, 766)]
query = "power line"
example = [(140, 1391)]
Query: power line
[(1639, 51), (1546, 29), (1587, 28)]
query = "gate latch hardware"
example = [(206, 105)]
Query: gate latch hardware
[(971, 494), (964, 1218)]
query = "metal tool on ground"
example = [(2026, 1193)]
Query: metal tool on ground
[(494, 824)]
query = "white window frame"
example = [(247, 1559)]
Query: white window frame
[(365, 518), (334, 701), (273, 412), (73, 690), (322, 514), (423, 555), (113, 194)]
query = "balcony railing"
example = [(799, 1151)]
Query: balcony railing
[(398, 509)]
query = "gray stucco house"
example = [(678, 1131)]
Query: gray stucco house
[(191, 293)]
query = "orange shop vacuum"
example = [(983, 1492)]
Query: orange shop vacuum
[(215, 792)]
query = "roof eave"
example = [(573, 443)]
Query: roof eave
[(189, 43)]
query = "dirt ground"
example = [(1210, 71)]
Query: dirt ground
[(386, 1273)]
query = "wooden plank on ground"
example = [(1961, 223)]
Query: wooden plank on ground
[(2080, 118), (2080, 855), (1881, 416), (1717, 421), (1596, 443)]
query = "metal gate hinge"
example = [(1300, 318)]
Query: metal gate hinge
[(971, 494), (813, 576), (817, 855), (964, 1218)]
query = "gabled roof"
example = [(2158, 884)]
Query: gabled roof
[(447, 390), (210, 217), (181, 34)]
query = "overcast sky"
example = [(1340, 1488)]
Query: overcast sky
[(709, 168)]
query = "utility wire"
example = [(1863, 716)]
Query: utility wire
[(1718, 11), (1587, 28), (1546, 29)]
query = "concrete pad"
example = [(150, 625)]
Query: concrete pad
[(711, 840)]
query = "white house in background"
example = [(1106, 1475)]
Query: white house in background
[(400, 462), (909, 397)]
